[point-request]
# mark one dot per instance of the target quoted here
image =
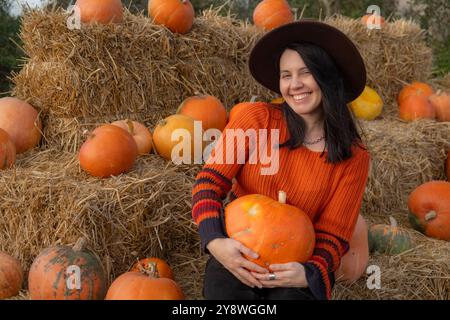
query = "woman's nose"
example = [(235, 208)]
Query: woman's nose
[(296, 83)]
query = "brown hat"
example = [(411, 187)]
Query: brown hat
[(339, 47)]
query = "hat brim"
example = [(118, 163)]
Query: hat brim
[(339, 47)]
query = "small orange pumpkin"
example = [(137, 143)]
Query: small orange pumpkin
[(140, 133), (108, 151), (101, 11), (21, 121), (416, 107), (162, 137), (270, 14), (429, 209), (441, 104), (416, 89), (7, 150), (11, 276), (372, 19), (238, 108), (354, 262), (53, 274), (278, 232), (207, 109), (144, 285), (177, 15), (155, 265)]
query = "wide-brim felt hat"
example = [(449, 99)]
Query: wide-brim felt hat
[(339, 47)]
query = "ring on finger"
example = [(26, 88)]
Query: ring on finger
[(272, 276)]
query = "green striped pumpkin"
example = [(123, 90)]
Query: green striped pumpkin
[(389, 239)]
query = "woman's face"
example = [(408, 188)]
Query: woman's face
[(297, 85)]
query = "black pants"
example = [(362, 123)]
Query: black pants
[(221, 284)]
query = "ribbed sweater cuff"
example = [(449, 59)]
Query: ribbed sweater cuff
[(210, 229), (320, 282)]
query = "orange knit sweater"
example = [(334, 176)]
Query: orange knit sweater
[(331, 194)]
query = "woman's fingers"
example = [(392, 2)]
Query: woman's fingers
[(248, 277), (248, 252), (253, 266)]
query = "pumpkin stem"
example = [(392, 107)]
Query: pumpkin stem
[(430, 215), (281, 197), (438, 93), (130, 126), (80, 244), (393, 222), (253, 99), (150, 270)]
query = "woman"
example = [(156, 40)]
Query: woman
[(323, 166)]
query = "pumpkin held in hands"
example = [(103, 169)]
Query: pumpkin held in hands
[(108, 151), (429, 209), (146, 284), (149, 264), (389, 239), (140, 133), (270, 14), (354, 262), (7, 150), (177, 15), (21, 121), (101, 11), (278, 232), (11, 276), (67, 273), (207, 109)]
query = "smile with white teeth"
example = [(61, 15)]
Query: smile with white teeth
[(302, 96)]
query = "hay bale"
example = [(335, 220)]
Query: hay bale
[(404, 155), (133, 66), (68, 134), (394, 55), (46, 200)]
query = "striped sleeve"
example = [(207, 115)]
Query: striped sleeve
[(335, 226), (213, 182)]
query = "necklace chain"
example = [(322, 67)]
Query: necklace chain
[(315, 141)]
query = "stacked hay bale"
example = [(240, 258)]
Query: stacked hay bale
[(79, 79), (394, 55)]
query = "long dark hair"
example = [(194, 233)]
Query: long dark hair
[(339, 125)]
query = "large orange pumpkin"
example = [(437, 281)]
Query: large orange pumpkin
[(108, 151), (270, 14), (207, 109), (67, 273), (416, 107), (441, 104), (162, 138), (136, 285), (278, 232), (140, 133), (11, 276), (177, 15), (155, 265), (429, 209), (354, 262), (101, 11), (7, 150), (21, 121), (416, 89)]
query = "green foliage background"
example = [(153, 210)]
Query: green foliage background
[(434, 18)]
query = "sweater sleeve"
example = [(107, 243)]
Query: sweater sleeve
[(334, 227), (214, 181)]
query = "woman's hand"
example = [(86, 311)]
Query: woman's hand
[(290, 274), (229, 253)]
